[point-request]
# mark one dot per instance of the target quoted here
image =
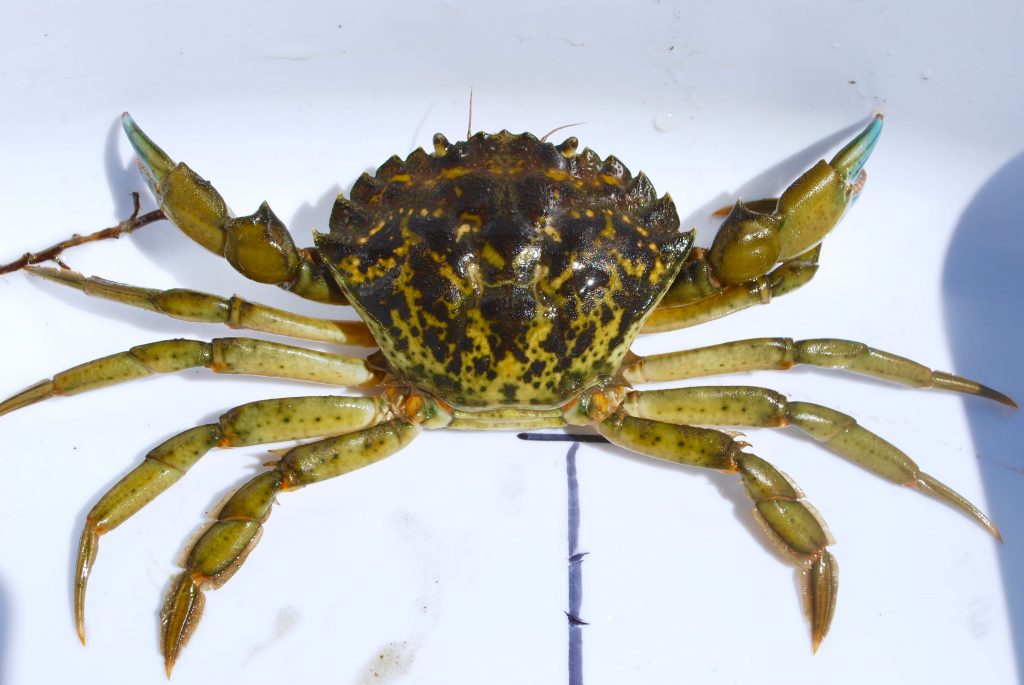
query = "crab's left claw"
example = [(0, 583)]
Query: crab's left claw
[(154, 163), (755, 237)]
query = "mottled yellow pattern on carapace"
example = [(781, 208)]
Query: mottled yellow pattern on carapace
[(504, 271)]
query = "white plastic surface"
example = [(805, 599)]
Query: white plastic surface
[(447, 563)]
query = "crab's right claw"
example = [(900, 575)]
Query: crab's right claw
[(755, 237), (258, 245), (850, 161)]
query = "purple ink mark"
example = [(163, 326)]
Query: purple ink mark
[(561, 437), (575, 569)]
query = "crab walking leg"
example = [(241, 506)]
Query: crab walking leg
[(255, 423), (221, 355), (223, 547), (192, 305), (777, 502), (751, 406), (770, 354), (258, 246)]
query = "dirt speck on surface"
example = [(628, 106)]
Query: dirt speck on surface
[(389, 665)]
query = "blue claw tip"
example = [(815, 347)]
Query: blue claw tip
[(154, 162), (135, 135), (851, 159)]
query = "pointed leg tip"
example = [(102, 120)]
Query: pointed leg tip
[(944, 493), (821, 585), (991, 394), (80, 629), (954, 383), (182, 611), (62, 276), (36, 393), (999, 397)]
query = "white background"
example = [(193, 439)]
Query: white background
[(446, 563)]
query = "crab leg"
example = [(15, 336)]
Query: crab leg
[(221, 355), (777, 503), (223, 547), (192, 305), (719, 302), (751, 406), (739, 270), (255, 423), (783, 353), (258, 246)]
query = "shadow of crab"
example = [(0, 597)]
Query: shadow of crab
[(982, 281)]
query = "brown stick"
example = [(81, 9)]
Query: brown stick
[(53, 253)]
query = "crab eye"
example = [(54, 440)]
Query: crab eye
[(441, 145), (568, 146)]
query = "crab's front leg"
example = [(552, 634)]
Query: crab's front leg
[(739, 270), (259, 245), (193, 305)]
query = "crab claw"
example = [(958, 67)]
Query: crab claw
[(187, 199), (756, 236), (816, 201), (154, 162), (849, 162)]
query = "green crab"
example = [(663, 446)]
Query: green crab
[(503, 279)]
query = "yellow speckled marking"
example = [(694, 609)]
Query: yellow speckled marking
[(506, 273)]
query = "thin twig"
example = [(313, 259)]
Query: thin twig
[(53, 253)]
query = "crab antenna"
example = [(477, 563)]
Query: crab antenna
[(469, 124), (559, 128)]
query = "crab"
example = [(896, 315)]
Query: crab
[(502, 280)]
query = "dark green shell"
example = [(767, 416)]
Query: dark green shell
[(503, 270)]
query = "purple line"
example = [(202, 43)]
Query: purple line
[(575, 572), (561, 437)]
